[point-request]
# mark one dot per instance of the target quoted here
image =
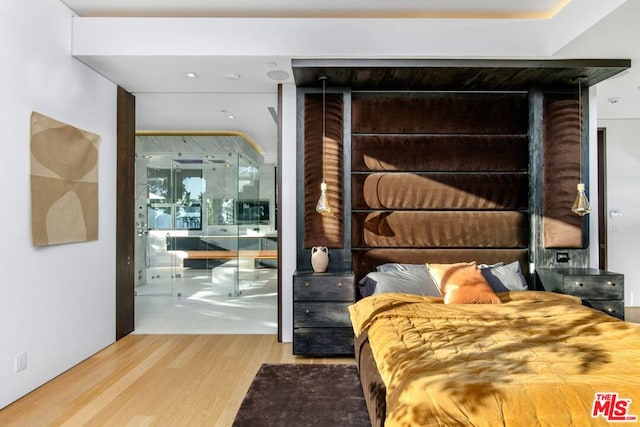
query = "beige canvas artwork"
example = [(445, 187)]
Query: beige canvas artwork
[(64, 182)]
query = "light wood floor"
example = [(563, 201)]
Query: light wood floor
[(159, 380)]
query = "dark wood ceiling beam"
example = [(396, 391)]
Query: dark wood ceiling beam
[(455, 74)]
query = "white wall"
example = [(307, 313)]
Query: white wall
[(57, 302), (288, 207), (623, 175)]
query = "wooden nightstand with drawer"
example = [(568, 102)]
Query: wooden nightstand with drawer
[(600, 289), (321, 323)]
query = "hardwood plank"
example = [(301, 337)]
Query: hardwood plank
[(160, 380)]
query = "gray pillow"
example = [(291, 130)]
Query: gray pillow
[(394, 266), (505, 278), (367, 285), (415, 281)]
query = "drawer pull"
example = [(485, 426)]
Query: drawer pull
[(610, 310), (307, 311), (339, 284), (579, 284), (611, 283), (307, 284)]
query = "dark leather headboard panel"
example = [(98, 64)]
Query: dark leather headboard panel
[(445, 153), (440, 229), (441, 113), (439, 177), (424, 190)]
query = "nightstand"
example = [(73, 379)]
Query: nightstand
[(321, 323), (600, 289)]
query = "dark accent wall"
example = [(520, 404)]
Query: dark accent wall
[(555, 150), (323, 230), (313, 229), (562, 151)]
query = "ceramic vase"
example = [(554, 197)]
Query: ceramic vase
[(319, 259)]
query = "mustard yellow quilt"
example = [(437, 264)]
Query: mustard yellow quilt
[(536, 359)]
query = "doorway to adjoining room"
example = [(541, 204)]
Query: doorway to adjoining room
[(206, 240)]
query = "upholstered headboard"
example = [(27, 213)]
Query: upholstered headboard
[(439, 177)]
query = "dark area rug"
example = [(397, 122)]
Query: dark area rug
[(304, 395)]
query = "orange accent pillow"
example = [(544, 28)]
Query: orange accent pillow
[(462, 283)]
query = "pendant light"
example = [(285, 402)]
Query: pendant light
[(322, 207), (581, 205)]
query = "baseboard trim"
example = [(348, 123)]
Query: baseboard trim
[(632, 314)]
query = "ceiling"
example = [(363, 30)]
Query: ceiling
[(239, 93)]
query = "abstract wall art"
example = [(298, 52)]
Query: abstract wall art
[(64, 182)]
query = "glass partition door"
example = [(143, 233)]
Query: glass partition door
[(248, 211), (170, 221), (198, 224), (155, 221)]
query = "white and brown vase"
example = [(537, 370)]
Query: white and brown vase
[(319, 259)]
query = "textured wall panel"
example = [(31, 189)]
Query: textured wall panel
[(323, 230), (561, 228)]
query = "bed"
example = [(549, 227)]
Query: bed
[(527, 358), (482, 181), (466, 192)]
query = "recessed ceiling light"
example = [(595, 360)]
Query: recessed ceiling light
[(191, 75), (278, 75), (614, 100), (231, 117), (232, 76)]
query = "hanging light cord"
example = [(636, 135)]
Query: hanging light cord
[(324, 154), (581, 204), (580, 124), (323, 204)]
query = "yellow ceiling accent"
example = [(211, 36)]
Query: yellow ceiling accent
[(504, 9)]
